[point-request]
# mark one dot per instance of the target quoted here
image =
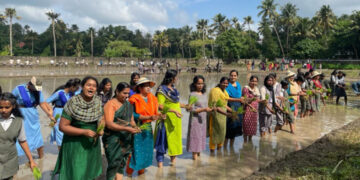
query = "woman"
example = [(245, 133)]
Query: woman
[(133, 80), (317, 91), (294, 90), (266, 110), (218, 99), (105, 91), (233, 126), (252, 94), (28, 97), (145, 111), (196, 137), (333, 82), (59, 98), (120, 126), (11, 130), (340, 87), (80, 153), (168, 132)]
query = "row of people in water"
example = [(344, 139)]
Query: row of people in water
[(124, 120)]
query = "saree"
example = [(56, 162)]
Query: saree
[(142, 154), (118, 144), (217, 127)]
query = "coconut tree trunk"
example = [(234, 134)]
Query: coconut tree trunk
[(355, 51), (11, 45), (32, 46), (287, 41), (281, 47), (212, 50), (92, 43), (53, 28), (203, 46), (160, 53)]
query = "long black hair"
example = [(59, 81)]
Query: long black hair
[(35, 93), (222, 80), (269, 87), (6, 96), (334, 72), (169, 76), (195, 80), (68, 84), (120, 87), (132, 82), (237, 73), (253, 77), (103, 84), (0, 90)]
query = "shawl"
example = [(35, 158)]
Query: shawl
[(234, 92), (81, 110), (255, 91), (172, 95)]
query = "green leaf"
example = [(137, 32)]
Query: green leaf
[(309, 92), (145, 127), (267, 96), (165, 110), (329, 90), (193, 100), (219, 103), (240, 110), (57, 116), (100, 128), (36, 173)]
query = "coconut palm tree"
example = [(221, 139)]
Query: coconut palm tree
[(161, 40), (10, 13), (288, 15), (268, 12), (187, 36), (202, 27), (32, 36), (304, 28), (219, 23), (247, 21), (53, 17), (326, 19), (236, 24), (91, 32)]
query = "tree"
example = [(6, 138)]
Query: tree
[(202, 27), (247, 21), (32, 36), (79, 48), (288, 14), (53, 17), (304, 29), (219, 23), (269, 47), (235, 23), (326, 19), (161, 40), (268, 10), (231, 45), (306, 48), (10, 13), (123, 49)]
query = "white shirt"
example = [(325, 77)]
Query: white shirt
[(5, 123)]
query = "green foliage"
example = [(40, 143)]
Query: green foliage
[(145, 127), (306, 48), (192, 100), (165, 110), (36, 173), (123, 49), (269, 47), (100, 128), (5, 51), (231, 45), (46, 51)]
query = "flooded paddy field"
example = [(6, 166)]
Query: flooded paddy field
[(231, 163)]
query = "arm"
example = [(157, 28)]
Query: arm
[(47, 109), (24, 145), (109, 113), (241, 100)]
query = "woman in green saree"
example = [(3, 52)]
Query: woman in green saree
[(80, 154), (120, 126)]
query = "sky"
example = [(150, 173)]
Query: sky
[(151, 15)]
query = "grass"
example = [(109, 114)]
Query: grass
[(334, 156)]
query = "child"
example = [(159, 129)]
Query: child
[(11, 130), (340, 87), (287, 110)]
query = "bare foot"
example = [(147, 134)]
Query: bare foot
[(160, 164)]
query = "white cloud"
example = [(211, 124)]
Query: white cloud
[(308, 8), (136, 14)]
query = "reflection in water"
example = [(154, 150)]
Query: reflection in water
[(231, 163)]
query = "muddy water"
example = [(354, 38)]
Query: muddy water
[(230, 163)]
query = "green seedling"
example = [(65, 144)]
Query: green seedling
[(192, 100), (37, 173)]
